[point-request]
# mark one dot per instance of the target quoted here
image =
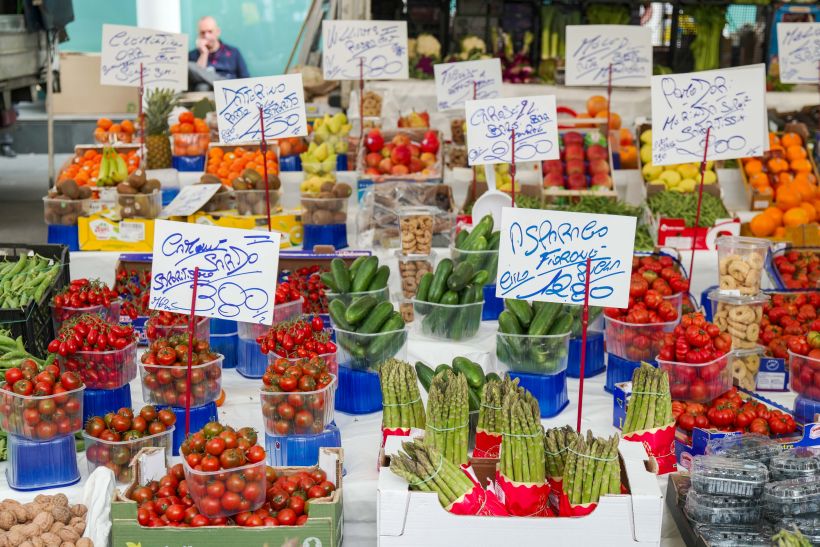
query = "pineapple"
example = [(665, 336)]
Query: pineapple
[(158, 106)]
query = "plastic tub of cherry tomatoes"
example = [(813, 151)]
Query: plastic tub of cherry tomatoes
[(329, 359), (635, 341), (116, 455), (167, 384), (103, 369), (698, 382), (41, 417), (298, 412), (304, 337), (226, 492), (804, 371), (164, 324), (61, 314)]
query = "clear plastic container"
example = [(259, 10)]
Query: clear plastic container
[(221, 201), (140, 205), (367, 351), (411, 269), (99, 402), (281, 312), (36, 417), (381, 295), (802, 371), (745, 365), (547, 354), (330, 359), (449, 322), (481, 260), (720, 476), (416, 230), (191, 144), (64, 212), (200, 415), (103, 369), (707, 509), (741, 261), (792, 497), (323, 211), (245, 476), (734, 536), (298, 412), (202, 329), (747, 446), (635, 342), (739, 316), (795, 463), (117, 455), (110, 314), (252, 202), (808, 524), (167, 385), (700, 383)]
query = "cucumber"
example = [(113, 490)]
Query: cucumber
[(460, 237), (439, 283), (537, 305), (341, 276), (355, 349), (482, 229), (508, 324), (521, 310), (544, 318), (388, 344), (425, 375), (441, 369), (471, 371), (474, 400), (494, 241), (330, 283), (481, 277), (476, 258), (359, 308), (379, 280), (562, 325), (492, 377), (450, 298), (376, 318), (364, 274), (424, 287), (355, 265), (336, 309), (460, 276)]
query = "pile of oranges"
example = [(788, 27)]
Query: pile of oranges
[(597, 107), (108, 132), (291, 146), (191, 135), (787, 173), (228, 164), (187, 124), (85, 167)]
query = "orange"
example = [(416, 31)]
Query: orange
[(115, 128), (791, 139), (625, 137), (629, 157), (784, 177), (186, 128), (759, 179), (805, 189), (775, 213), (807, 177), (796, 216), (780, 232), (795, 153), (753, 167), (614, 119), (762, 225), (596, 104), (816, 203), (777, 165), (100, 135), (127, 126), (104, 123), (810, 210), (186, 117), (801, 166), (174, 129), (787, 198), (773, 139), (216, 152)]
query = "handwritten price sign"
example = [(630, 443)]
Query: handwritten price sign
[(491, 122), (544, 256), (456, 82), (369, 50), (282, 100), (190, 200), (591, 49), (798, 52), (237, 271), (164, 57), (730, 101)]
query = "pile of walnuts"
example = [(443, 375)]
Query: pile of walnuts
[(48, 521)]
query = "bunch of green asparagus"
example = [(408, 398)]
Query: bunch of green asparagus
[(556, 444), (427, 470), (522, 443), (25, 280), (448, 416), (592, 469), (400, 395), (490, 412), (650, 405)]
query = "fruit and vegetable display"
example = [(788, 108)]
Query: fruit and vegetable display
[(291, 146), (302, 337), (804, 364), (786, 167), (249, 191), (297, 396), (363, 275), (325, 205), (447, 426), (534, 338), (651, 404), (730, 412), (584, 163), (108, 131), (93, 167), (402, 155), (307, 281), (164, 371), (401, 400), (83, 294), (450, 299), (369, 331), (592, 469), (685, 206), (26, 280), (230, 163), (48, 520), (787, 319), (798, 269), (681, 178), (133, 287), (479, 247), (460, 366)]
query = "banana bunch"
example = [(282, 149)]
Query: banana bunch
[(113, 169), (333, 131)]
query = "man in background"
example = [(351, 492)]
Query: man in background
[(213, 59)]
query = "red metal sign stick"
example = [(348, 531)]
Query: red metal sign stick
[(584, 324), (191, 328), (512, 167), (608, 106), (139, 118), (264, 147), (700, 201)]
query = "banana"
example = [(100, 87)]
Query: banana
[(104, 175), (121, 170)]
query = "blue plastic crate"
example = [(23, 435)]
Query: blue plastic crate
[(300, 450), (325, 234), (549, 390), (168, 195), (805, 409), (223, 326), (250, 361), (227, 345), (493, 306), (359, 391), (188, 163), (620, 370), (37, 465), (595, 356), (200, 415), (99, 402), (64, 235), (290, 163)]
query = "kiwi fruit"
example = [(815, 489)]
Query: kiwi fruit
[(69, 219), (85, 192), (126, 189), (150, 186), (69, 188), (339, 217), (273, 182), (325, 195), (252, 176), (322, 217), (239, 183), (137, 179), (327, 187), (209, 178), (342, 190)]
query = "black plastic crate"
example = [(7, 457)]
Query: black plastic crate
[(33, 322)]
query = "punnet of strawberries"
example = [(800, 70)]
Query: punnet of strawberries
[(730, 412), (307, 282), (785, 316), (799, 269), (655, 280), (302, 337)]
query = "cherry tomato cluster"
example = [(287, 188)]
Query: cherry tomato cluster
[(165, 369), (166, 323), (123, 434), (133, 286), (84, 293), (799, 269), (295, 398), (786, 316), (306, 280), (297, 338), (646, 306), (168, 502), (661, 273), (285, 292), (804, 364), (41, 405), (216, 448), (730, 412)]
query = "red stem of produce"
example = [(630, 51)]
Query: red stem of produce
[(608, 106), (264, 147), (512, 167), (700, 201), (584, 324), (191, 328), (141, 121)]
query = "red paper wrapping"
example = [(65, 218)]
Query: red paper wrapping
[(487, 445), (398, 432), (569, 510), (524, 499), (477, 501), (659, 444)]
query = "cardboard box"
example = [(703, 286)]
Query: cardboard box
[(410, 518), (81, 92), (101, 232), (673, 232)]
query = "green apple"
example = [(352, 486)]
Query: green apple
[(651, 172), (646, 137), (646, 153)]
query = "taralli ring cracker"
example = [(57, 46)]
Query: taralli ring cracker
[(740, 316), (740, 264)]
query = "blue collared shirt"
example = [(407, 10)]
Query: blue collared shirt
[(225, 61)]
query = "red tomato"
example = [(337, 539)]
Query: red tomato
[(256, 454), (297, 504), (286, 517)]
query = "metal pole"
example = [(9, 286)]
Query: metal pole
[(49, 110)]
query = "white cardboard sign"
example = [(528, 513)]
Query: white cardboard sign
[(543, 254), (458, 82), (490, 124), (163, 55), (237, 271), (282, 99), (730, 101), (369, 50), (190, 199), (798, 52), (591, 49)]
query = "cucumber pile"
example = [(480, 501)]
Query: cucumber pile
[(481, 238), (540, 354), (364, 274), (356, 326), (451, 285), (471, 371)]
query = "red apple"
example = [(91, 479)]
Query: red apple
[(554, 179), (385, 165), (576, 182), (575, 167), (399, 170), (388, 148), (573, 137), (374, 140), (596, 152), (416, 165), (598, 166), (601, 179), (574, 152), (415, 151), (373, 159), (400, 138), (401, 154), (552, 166), (430, 142), (372, 171)]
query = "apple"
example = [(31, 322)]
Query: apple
[(399, 170), (554, 179), (596, 152), (575, 167), (574, 152), (415, 165), (415, 151), (374, 140), (576, 181), (573, 137), (388, 148), (385, 165), (601, 179), (372, 171), (552, 166), (373, 159), (598, 166), (400, 138), (401, 154), (430, 142), (428, 158)]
